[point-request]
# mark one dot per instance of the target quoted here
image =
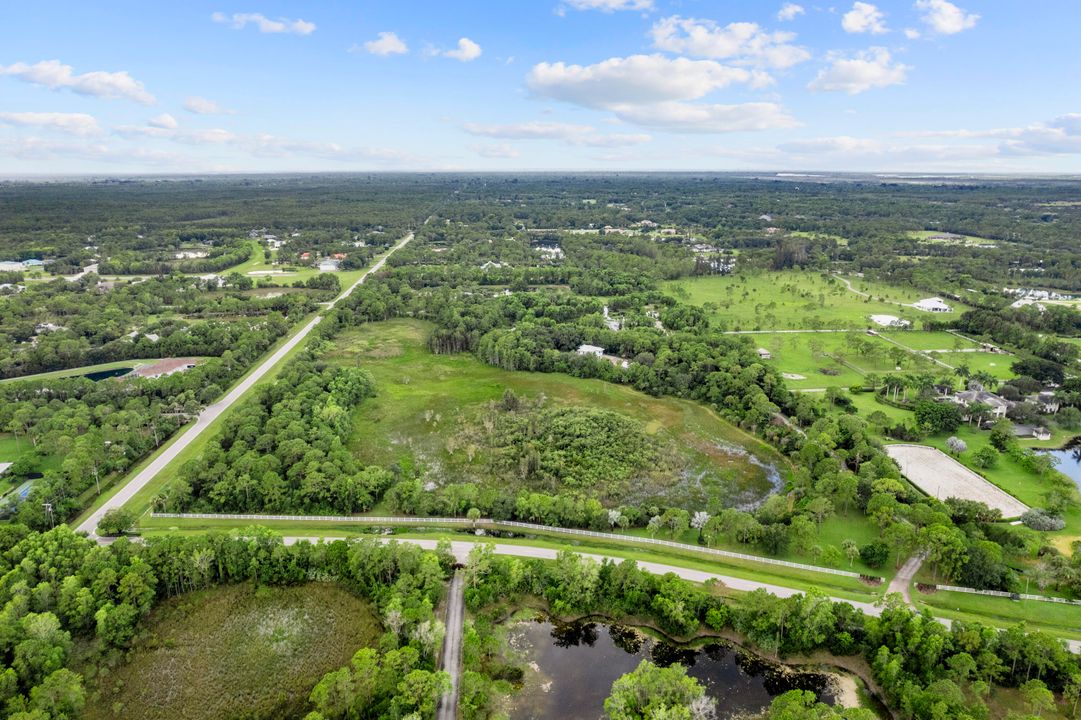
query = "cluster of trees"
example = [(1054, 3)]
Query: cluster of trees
[(285, 449), (926, 670), (57, 587), (60, 324), (160, 258)]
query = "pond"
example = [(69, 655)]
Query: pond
[(1069, 460), (106, 374), (571, 669)]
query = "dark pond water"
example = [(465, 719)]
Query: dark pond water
[(572, 668), (106, 374), (1069, 460)]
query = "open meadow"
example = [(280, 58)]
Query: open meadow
[(436, 413), (232, 652)]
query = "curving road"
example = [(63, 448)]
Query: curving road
[(211, 412)]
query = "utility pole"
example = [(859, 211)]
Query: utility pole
[(49, 513)]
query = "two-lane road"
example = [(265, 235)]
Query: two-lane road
[(211, 412)]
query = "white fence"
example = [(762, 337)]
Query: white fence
[(1004, 594), (508, 524)]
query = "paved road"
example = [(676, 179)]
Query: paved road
[(902, 581), (452, 648), (211, 412), (461, 548)]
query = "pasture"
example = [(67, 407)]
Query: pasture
[(233, 651), (796, 300)]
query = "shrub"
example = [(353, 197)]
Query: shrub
[(1039, 519)]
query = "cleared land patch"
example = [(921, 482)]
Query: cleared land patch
[(940, 476), (233, 652), (797, 300)]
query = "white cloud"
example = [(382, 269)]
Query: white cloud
[(944, 17), (202, 106), (652, 90), (466, 51), (572, 134), (238, 21), (633, 80), (868, 69), (912, 33), (740, 41), (388, 43), (528, 130), (55, 75), (864, 18), (498, 151), (71, 123), (1060, 136), (709, 118), (789, 11), (610, 5), (165, 121)]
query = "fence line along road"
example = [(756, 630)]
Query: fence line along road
[(509, 524), (1004, 594), (211, 412)]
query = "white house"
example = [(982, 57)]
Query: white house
[(764, 354), (933, 305), (590, 350)]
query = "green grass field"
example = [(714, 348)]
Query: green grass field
[(12, 448), (993, 363), (929, 340), (796, 300), (1056, 618), (831, 359), (968, 240), (426, 406), (233, 651)]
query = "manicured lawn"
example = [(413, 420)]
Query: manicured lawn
[(796, 299), (12, 448), (427, 406), (235, 651), (1057, 618), (993, 363), (970, 240), (832, 360), (929, 340)]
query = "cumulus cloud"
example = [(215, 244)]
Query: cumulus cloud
[(789, 11), (164, 121), (70, 123), (466, 51), (743, 42), (55, 75), (635, 80), (864, 18), (1060, 136), (654, 91), (872, 68), (572, 134), (500, 151), (238, 21), (39, 149), (387, 43), (944, 17), (912, 33), (610, 5), (202, 106)]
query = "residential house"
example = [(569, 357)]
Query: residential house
[(764, 354), (966, 398), (1045, 401), (933, 305), (890, 321), (593, 350), (1037, 432)]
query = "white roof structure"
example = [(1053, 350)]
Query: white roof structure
[(933, 304), (889, 321), (590, 350), (4, 467)]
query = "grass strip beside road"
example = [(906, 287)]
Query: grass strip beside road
[(804, 580), (1055, 618)]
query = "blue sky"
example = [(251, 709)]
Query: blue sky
[(913, 85)]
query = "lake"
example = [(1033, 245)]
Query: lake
[(572, 668), (1069, 460)]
